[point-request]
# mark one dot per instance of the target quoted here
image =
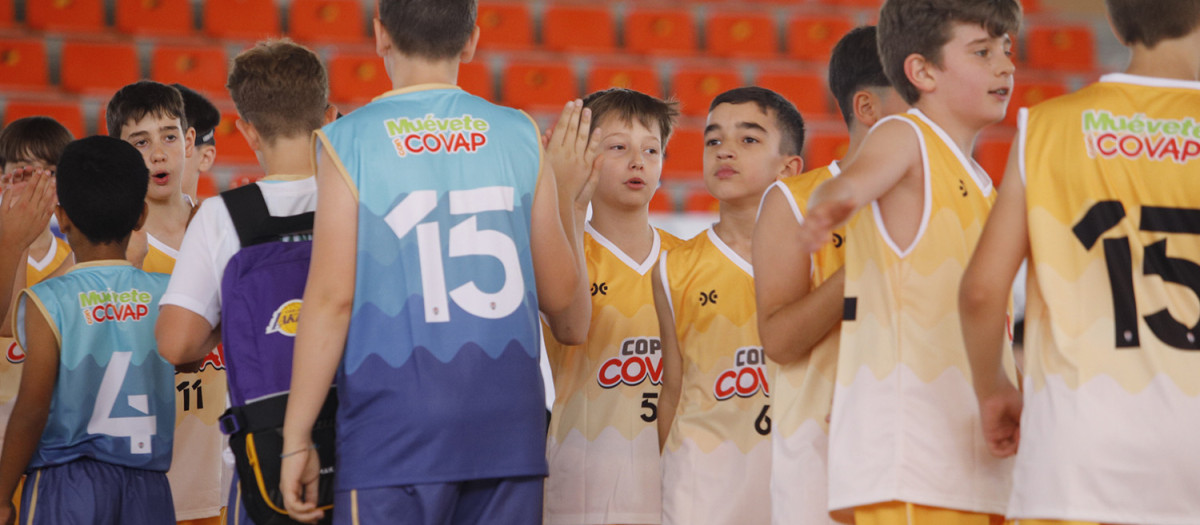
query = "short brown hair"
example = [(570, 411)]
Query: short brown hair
[(1148, 23), (627, 104), (144, 97), (33, 138), (430, 29), (281, 88), (923, 27)]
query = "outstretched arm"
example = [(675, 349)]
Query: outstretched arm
[(29, 201), (982, 309)]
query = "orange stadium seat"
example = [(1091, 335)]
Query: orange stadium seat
[(6, 14), (476, 78), (742, 34), (65, 15), (695, 88), (66, 113), (684, 155), (155, 17), (23, 63), (241, 19), (332, 21), (231, 145), (991, 152), (202, 68), (1028, 94), (1064, 47), (538, 85), (662, 202), (820, 150), (508, 26), (579, 28), (812, 37), (206, 186), (640, 77), (806, 90), (357, 77), (699, 200), (660, 31), (98, 68)]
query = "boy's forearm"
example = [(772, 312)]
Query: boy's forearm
[(319, 349), (791, 333), (24, 430), (982, 313)]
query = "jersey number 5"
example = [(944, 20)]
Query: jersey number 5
[(1105, 215), (138, 429), (465, 239)]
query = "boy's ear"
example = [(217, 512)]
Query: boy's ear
[(208, 157), (141, 218), (866, 108), (468, 52), (249, 132), (383, 41), (331, 113), (64, 223), (792, 165), (189, 141), (920, 72)]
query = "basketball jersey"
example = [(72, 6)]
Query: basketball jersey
[(38, 270), (440, 379), (905, 422), (603, 439), (717, 457), (803, 390), (113, 393), (1112, 385), (197, 469)]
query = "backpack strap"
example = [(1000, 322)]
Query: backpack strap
[(254, 222)]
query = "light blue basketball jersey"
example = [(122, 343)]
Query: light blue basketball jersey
[(440, 380), (114, 398)]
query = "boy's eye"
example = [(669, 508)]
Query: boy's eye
[(139, 143), (712, 142), (618, 147), (750, 140), (982, 52), (652, 151), (170, 138)]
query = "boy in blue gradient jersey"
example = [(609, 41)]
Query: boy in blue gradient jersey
[(438, 236), (95, 414)]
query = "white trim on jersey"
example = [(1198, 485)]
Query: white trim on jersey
[(1022, 129), (978, 174), (41, 264), (162, 247), (666, 284), (640, 268), (928, 204), (1126, 78), (729, 253)]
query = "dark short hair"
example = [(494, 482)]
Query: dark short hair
[(787, 117), (139, 99), (280, 87), (627, 104), (430, 29), (102, 185), (33, 138), (855, 66), (201, 114), (1150, 22), (923, 27)]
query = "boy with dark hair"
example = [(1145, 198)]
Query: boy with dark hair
[(434, 245), (800, 297), (93, 421), (714, 426), (1102, 197), (151, 117), (603, 440), (203, 117), (904, 442), (282, 86)]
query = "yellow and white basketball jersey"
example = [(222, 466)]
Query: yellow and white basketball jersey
[(1112, 385), (197, 466), (717, 458), (603, 439), (803, 390), (37, 270), (905, 422)]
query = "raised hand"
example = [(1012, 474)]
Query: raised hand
[(29, 201), (820, 221), (572, 154)]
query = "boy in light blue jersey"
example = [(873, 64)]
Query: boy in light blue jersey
[(94, 417), (437, 238)]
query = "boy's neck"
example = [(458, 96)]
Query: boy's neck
[(288, 156), (735, 226), (858, 133), (166, 215), (963, 134), (1173, 59), (629, 230), (406, 71), (87, 251)]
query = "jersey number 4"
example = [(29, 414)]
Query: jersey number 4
[(139, 429), (465, 239), (1105, 215)]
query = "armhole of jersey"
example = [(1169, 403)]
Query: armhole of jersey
[(537, 136), (787, 194), (666, 285), (1022, 130), (928, 193), (21, 311), (322, 144)]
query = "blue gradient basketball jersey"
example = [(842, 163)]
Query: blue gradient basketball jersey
[(440, 379), (114, 397)]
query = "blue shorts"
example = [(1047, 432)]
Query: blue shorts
[(87, 492), (511, 501)]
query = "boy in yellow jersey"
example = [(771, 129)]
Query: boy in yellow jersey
[(151, 117), (37, 142), (603, 439), (800, 298), (714, 424), (1103, 198), (904, 443)]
